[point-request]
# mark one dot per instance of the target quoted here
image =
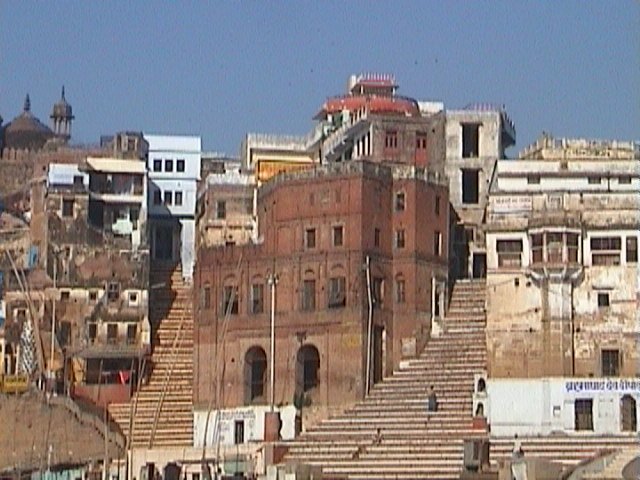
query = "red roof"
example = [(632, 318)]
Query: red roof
[(372, 103)]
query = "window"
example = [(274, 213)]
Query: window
[(257, 298), (509, 253), (595, 180), (168, 197), (338, 236), (206, 297), (238, 433), (78, 181), (378, 292), (337, 292), (537, 248), (533, 179), (221, 209), (624, 180), (157, 165), (168, 165), (310, 238), (133, 298), (400, 201), (112, 333), (67, 207), (376, 237), (180, 165), (64, 333), (132, 332), (421, 141), (391, 140), (436, 207), (584, 414), (93, 296), (308, 295), (470, 140), (92, 331), (572, 247), (437, 244), (113, 292), (605, 250), (555, 245), (603, 300), (610, 360), (65, 295), (632, 250), (400, 238), (157, 197), (400, 290), (230, 300), (470, 185), (178, 198)]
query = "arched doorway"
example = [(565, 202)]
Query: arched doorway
[(307, 369), (628, 414), (255, 369)]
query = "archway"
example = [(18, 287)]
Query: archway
[(255, 368), (307, 368), (628, 414)]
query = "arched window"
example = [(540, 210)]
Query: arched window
[(480, 410), (255, 369), (307, 368), (482, 386)]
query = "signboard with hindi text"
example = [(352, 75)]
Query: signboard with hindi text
[(511, 204)]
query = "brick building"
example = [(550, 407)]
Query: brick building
[(360, 253)]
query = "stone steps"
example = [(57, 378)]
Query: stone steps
[(415, 443), (170, 314)]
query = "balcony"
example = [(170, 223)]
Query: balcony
[(555, 254)]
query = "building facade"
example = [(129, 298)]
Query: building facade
[(174, 166), (563, 282), (361, 264), (475, 137)]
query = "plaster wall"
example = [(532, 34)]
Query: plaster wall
[(546, 405)]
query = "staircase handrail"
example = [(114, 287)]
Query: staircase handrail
[(168, 374)]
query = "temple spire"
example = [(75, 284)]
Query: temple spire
[(27, 104)]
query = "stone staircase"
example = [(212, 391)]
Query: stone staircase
[(615, 469), (163, 407), (566, 449), (413, 443)]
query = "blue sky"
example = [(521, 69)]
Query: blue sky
[(222, 69)]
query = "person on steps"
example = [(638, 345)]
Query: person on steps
[(432, 401)]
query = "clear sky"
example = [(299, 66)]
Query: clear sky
[(223, 69)]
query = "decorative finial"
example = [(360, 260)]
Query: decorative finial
[(63, 92), (27, 104)]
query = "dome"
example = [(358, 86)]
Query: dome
[(62, 108), (26, 131)]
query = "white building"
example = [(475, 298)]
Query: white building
[(563, 288), (174, 170)]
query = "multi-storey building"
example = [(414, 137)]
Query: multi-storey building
[(174, 171), (563, 287), (475, 137), (225, 207), (361, 268), (81, 279)]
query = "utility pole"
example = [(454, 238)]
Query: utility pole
[(53, 322), (273, 281), (105, 473)]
